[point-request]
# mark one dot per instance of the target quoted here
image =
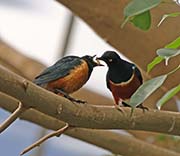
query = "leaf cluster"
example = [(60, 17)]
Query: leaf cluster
[(137, 12)]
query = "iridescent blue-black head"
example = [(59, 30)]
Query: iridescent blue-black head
[(91, 61), (110, 58)]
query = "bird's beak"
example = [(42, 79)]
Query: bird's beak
[(96, 61), (99, 58)]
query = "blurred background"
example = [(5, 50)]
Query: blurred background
[(46, 33)]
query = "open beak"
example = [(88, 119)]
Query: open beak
[(96, 61)]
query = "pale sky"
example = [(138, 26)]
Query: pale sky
[(37, 30)]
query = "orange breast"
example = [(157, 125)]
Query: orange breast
[(72, 82), (124, 90)]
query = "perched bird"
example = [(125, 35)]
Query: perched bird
[(123, 78), (67, 75)]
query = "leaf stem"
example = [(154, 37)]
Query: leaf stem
[(173, 71)]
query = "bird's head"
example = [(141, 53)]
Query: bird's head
[(92, 61), (109, 57)]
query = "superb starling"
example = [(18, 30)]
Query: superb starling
[(67, 75), (123, 78)]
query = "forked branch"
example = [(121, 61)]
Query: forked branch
[(114, 142), (12, 117)]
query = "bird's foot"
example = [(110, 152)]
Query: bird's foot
[(143, 108), (76, 100), (140, 106), (119, 108), (125, 104), (58, 91)]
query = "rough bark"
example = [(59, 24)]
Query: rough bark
[(114, 142), (87, 115), (7, 53)]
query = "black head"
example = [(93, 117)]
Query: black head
[(110, 57), (91, 61)]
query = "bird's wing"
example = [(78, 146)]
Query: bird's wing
[(60, 69), (138, 74), (137, 71), (107, 81)]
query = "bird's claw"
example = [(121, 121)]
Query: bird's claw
[(119, 108), (143, 108), (78, 101), (75, 100), (57, 91)]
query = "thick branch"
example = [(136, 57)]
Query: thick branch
[(105, 18), (35, 67), (87, 116), (116, 143), (18, 62)]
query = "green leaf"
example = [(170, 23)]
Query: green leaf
[(142, 21), (136, 7), (174, 44), (146, 89), (174, 70), (167, 53), (168, 15), (156, 61), (168, 96), (164, 52)]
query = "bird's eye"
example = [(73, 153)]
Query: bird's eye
[(110, 60)]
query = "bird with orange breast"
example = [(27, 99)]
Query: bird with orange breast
[(67, 75)]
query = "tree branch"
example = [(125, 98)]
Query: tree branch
[(18, 62), (43, 139), (116, 39), (87, 116), (35, 67), (114, 142), (12, 117)]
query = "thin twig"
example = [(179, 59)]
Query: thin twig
[(43, 139), (12, 117)]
